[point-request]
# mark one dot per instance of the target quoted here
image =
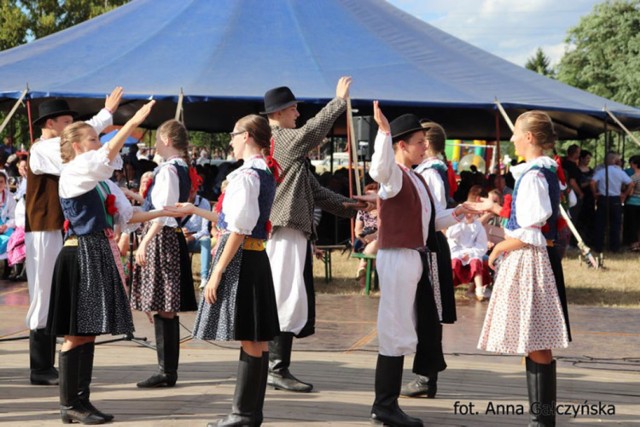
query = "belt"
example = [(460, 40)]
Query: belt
[(550, 243), (253, 244), (71, 241)]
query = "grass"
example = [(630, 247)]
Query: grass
[(617, 285)]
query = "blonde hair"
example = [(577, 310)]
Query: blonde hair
[(541, 127), (177, 133), (72, 133)]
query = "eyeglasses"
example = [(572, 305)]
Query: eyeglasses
[(233, 134)]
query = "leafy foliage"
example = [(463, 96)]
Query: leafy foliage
[(603, 56), (540, 63)]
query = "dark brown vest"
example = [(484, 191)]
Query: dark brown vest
[(400, 218), (42, 204)]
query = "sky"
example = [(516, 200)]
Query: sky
[(510, 29)]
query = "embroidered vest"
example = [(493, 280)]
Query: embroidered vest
[(42, 205), (550, 230), (184, 185), (400, 218), (265, 201), (87, 213)]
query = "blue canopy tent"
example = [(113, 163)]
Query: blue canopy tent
[(109, 136), (224, 54)]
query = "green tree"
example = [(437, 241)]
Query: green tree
[(540, 63), (22, 21), (603, 54)]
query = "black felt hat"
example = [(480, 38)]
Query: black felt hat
[(405, 124), (53, 108), (278, 99)]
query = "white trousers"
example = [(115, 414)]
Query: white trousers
[(287, 251), (42, 249), (399, 271)]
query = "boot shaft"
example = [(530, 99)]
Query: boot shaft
[(167, 342), (280, 352), (541, 387), (42, 350), (69, 362), (388, 381)]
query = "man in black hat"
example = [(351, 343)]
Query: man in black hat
[(44, 222), (407, 216), (289, 248)]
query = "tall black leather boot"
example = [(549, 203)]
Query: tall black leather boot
[(85, 371), (71, 407), (245, 398), (168, 350), (422, 386), (541, 384), (42, 350), (385, 410), (262, 390), (279, 360)]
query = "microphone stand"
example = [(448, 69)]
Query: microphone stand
[(142, 341)]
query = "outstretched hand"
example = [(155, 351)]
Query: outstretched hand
[(180, 209), (142, 114), (381, 120), (112, 101), (363, 203), (342, 89)]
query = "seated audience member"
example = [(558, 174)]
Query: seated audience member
[(366, 231), (196, 231), (7, 219), (492, 222), (468, 242)]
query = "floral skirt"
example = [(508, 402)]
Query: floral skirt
[(88, 295), (524, 312), (245, 308), (165, 283)]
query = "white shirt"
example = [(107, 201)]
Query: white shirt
[(385, 171), (533, 205), (166, 188), (617, 178), (8, 209), (240, 205), (467, 239), (44, 155), (434, 180), (85, 171)]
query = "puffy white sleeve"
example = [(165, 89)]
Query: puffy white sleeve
[(383, 168), (125, 209), (533, 208), (240, 205), (44, 157), (166, 192), (434, 181), (453, 233), (83, 173)]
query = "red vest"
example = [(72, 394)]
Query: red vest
[(400, 218)]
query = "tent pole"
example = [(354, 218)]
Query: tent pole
[(496, 149), (353, 147), (13, 110), (619, 123), (179, 112), (30, 122)]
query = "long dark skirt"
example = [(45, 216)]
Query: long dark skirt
[(166, 282), (245, 309), (88, 296)]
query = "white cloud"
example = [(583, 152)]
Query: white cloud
[(511, 29)]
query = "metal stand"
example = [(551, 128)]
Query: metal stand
[(129, 336)]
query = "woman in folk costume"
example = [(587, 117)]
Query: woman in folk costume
[(525, 313), (88, 294), (407, 218), (238, 301), (162, 280)]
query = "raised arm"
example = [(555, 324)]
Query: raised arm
[(300, 141), (117, 142), (104, 117)]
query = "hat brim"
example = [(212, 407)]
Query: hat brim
[(281, 107), (39, 120), (407, 132)]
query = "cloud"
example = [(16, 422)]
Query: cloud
[(510, 29)]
